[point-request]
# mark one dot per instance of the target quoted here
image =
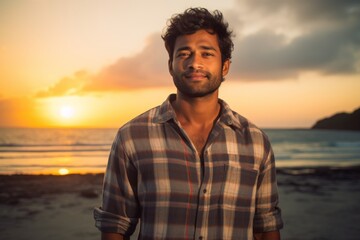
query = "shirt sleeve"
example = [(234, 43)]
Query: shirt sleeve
[(267, 214), (119, 212)]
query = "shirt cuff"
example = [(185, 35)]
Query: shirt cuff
[(109, 222), (268, 222)]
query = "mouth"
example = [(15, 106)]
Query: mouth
[(196, 75)]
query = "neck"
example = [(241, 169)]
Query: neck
[(202, 110)]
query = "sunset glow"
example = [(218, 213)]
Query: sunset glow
[(64, 171), (61, 67), (66, 112)]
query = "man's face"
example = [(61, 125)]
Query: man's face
[(196, 67)]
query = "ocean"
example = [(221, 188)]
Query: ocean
[(63, 151)]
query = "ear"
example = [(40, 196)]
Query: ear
[(226, 67), (170, 67)]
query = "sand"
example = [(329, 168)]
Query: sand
[(317, 203), (320, 203)]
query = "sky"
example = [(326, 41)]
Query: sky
[(92, 63)]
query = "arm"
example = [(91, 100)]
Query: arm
[(112, 236), (275, 235), (119, 211), (267, 219)]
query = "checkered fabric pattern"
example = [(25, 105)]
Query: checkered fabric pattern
[(155, 175)]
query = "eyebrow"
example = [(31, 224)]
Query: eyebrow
[(186, 48)]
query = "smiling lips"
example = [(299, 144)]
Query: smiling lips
[(196, 75)]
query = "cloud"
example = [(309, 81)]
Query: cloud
[(146, 69), (67, 85), (327, 39), (267, 55), (277, 39), (305, 12)]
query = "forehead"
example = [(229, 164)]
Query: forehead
[(199, 39)]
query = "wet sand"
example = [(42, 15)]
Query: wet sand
[(317, 203)]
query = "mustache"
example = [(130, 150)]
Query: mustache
[(188, 73)]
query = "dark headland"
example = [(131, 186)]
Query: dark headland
[(340, 121)]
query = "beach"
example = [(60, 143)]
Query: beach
[(316, 203), (320, 203)]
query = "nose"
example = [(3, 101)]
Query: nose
[(195, 61)]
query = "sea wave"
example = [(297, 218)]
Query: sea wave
[(53, 148), (345, 144), (54, 165)]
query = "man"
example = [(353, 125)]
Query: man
[(192, 168)]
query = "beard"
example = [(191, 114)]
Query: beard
[(197, 89)]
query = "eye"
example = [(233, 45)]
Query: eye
[(183, 54), (208, 54)]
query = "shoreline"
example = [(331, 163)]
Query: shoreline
[(14, 187), (316, 203)]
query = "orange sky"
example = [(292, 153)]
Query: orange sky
[(100, 63)]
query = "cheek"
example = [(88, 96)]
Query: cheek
[(175, 68)]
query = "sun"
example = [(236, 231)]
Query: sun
[(67, 112), (63, 171)]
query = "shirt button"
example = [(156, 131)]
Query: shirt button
[(204, 191)]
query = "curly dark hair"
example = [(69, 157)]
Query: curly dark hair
[(194, 19)]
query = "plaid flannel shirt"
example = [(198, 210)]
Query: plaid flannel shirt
[(155, 174)]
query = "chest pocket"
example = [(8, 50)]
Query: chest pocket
[(238, 187)]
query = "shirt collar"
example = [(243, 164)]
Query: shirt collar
[(166, 113), (228, 116)]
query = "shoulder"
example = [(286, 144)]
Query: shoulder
[(251, 130), (144, 119), (236, 120), (135, 130), (154, 116)]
